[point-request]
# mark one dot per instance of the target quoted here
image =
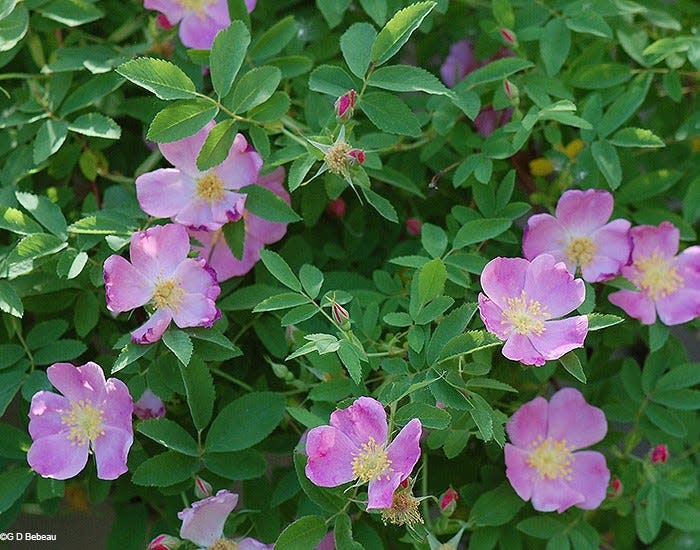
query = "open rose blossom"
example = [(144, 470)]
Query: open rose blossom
[(92, 414), (203, 523), (355, 447), (540, 459), (580, 236), (521, 303), (668, 284), (200, 19), (212, 246), (188, 196), (179, 288)]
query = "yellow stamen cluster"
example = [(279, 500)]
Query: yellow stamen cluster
[(403, 511), (337, 157), (210, 187), (168, 293), (197, 6), (525, 316), (224, 544), (371, 462), (84, 421), (581, 250), (551, 458), (657, 276)]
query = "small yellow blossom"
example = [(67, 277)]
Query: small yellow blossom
[(541, 167)]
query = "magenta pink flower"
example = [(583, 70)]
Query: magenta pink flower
[(668, 284), (201, 19), (92, 414), (659, 454), (580, 236), (200, 200), (540, 460), (149, 405), (212, 246), (354, 447), (179, 288), (164, 542), (521, 301)]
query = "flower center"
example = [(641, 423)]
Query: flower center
[(371, 462), (224, 544), (196, 6), (84, 421), (525, 316), (210, 187), (658, 276), (403, 511), (551, 458), (337, 157), (581, 250), (169, 294)]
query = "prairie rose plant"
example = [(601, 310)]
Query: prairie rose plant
[(380, 274)]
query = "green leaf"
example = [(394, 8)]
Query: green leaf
[(304, 534), (342, 534), (390, 114), (274, 39), (164, 79), (239, 465), (267, 205), (311, 279), (381, 205), (130, 353), (165, 469), (589, 22), (45, 212), (179, 343), (10, 302), (398, 319), (554, 45), (227, 54), (10, 383), (683, 399), (681, 376), (683, 514), (469, 342), (96, 125), (273, 109), (434, 309), (433, 239), (218, 144), (12, 485), (13, 28), (470, 104), (72, 13), (14, 443), (429, 415), (573, 366), (608, 162), (665, 420), (330, 80), (647, 185), (51, 135), (625, 106), (86, 313), (431, 280), (90, 92), (281, 301), (279, 269), (16, 221), (234, 234), (600, 75), (36, 246), (238, 9), (61, 350), (597, 321), (304, 417), (199, 388), (407, 78), (398, 30), (6, 7), (496, 71), (181, 119), (254, 88), (356, 47), (228, 433), (477, 231), (326, 499), (503, 13), (376, 9), (350, 357), (496, 507), (541, 527), (169, 434), (451, 326), (636, 137)]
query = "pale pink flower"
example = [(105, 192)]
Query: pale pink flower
[(668, 284), (212, 246), (179, 288), (540, 458), (92, 414), (200, 19), (149, 405), (188, 196), (356, 447), (522, 302), (580, 235)]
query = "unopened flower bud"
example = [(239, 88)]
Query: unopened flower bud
[(345, 105), (616, 488), (163, 22), (358, 155), (511, 91), (336, 208), (413, 226), (164, 542), (448, 501), (340, 314), (149, 405), (202, 489), (509, 37), (659, 454)]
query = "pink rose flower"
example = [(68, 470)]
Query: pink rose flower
[(355, 446), (200, 200), (92, 414), (179, 288), (521, 301), (580, 237), (540, 460), (149, 405), (200, 19), (212, 246), (668, 284)]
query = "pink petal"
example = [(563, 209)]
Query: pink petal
[(553, 286), (560, 337), (230, 208), (330, 453), (158, 251), (681, 306), (553, 494), (688, 266), (590, 478), (487, 121), (648, 239), (518, 472), (57, 457), (265, 231), (404, 451), (198, 215), (171, 9), (125, 287), (582, 212), (149, 405), (199, 31), (504, 278), (543, 234), (528, 423), (153, 329), (218, 11), (118, 406), (183, 153), (111, 450), (242, 165), (635, 304), (600, 268), (203, 523), (458, 63), (492, 316), (220, 258), (164, 192), (362, 420), (196, 310), (196, 278), (380, 491), (252, 544), (572, 419), (45, 414), (519, 348), (86, 382), (250, 4)]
